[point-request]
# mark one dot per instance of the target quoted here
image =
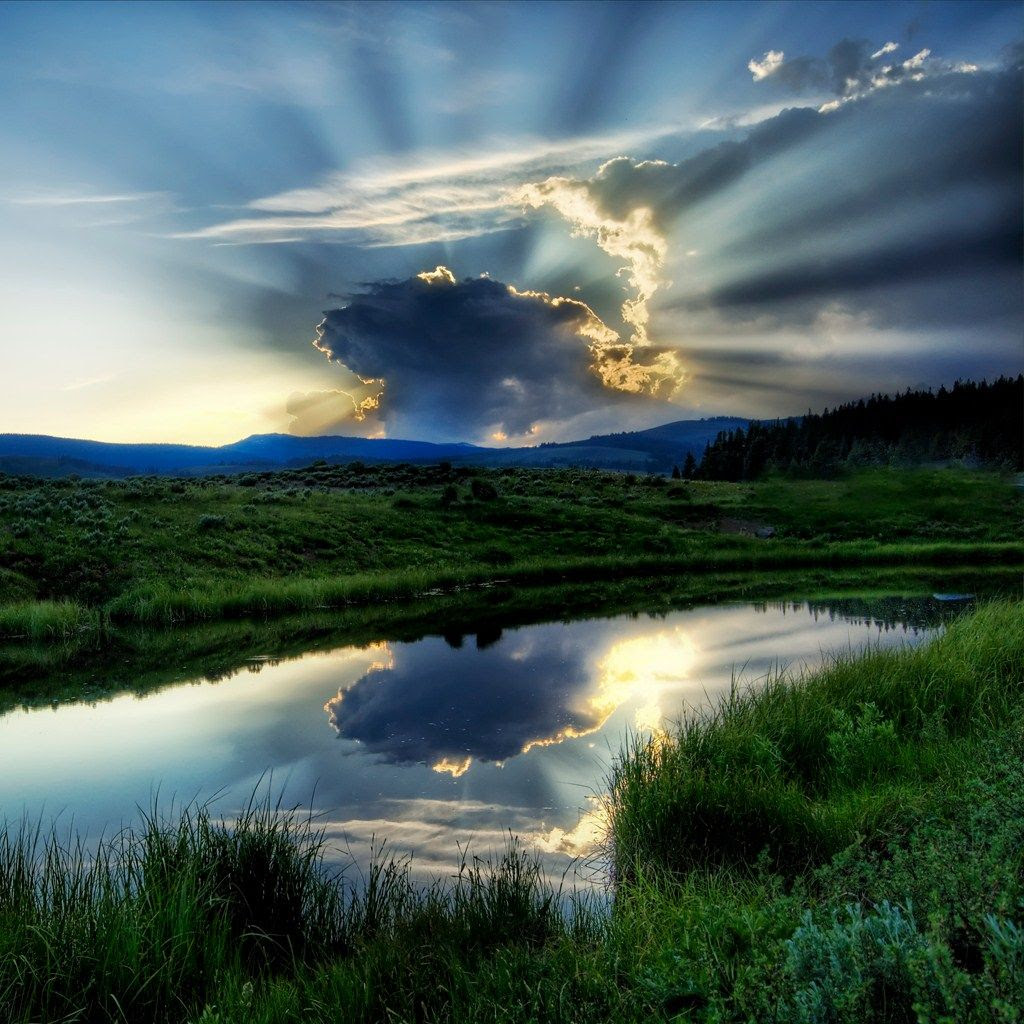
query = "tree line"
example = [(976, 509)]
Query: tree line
[(981, 423)]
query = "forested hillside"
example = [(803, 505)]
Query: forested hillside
[(982, 423)]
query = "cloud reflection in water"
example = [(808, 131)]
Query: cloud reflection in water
[(445, 706)]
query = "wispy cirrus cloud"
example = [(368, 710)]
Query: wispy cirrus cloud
[(433, 197), (72, 198)]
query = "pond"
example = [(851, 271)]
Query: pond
[(431, 745)]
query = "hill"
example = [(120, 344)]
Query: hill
[(654, 450)]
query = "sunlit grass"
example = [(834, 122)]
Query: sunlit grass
[(185, 914), (46, 620), (163, 603), (801, 767)]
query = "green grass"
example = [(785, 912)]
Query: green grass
[(800, 768), (91, 664), (46, 620), (844, 847), (183, 919), (157, 550)]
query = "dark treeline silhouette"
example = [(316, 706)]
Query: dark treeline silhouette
[(979, 423), (891, 612)]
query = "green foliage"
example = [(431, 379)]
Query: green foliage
[(210, 522), (864, 748), (153, 549), (45, 620), (862, 966), (192, 919), (801, 767), (483, 490)]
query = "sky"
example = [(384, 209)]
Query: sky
[(503, 223)]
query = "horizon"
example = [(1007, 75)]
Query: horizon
[(502, 224), (454, 442), (415, 440)]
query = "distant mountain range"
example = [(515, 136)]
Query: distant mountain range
[(653, 450)]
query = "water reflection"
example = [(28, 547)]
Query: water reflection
[(447, 706), (444, 740)]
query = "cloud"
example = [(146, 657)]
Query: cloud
[(56, 199), (484, 356), (628, 205), (439, 197), (851, 68), (891, 189), (633, 238), (531, 690), (989, 247), (898, 187), (884, 49), (416, 709), (768, 65)]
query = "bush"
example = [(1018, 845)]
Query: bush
[(210, 522), (483, 490), (872, 966), (862, 748)]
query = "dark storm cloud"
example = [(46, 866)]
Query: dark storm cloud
[(915, 139), (477, 354), (623, 184), (419, 710), (909, 184), (997, 246)]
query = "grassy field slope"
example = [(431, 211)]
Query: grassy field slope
[(156, 550)]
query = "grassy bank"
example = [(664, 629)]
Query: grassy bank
[(93, 664), (801, 768), (76, 555), (861, 861)]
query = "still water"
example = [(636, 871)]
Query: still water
[(431, 744)]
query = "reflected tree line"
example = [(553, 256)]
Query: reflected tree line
[(884, 613)]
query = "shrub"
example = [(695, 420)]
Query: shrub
[(863, 967), (210, 522), (483, 490), (862, 748)]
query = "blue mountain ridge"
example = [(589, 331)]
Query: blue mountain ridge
[(656, 450)]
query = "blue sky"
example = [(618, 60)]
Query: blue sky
[(646, 212)]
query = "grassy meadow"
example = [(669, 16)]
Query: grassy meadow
[(79, 555), (839, 847), (843, 846)]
